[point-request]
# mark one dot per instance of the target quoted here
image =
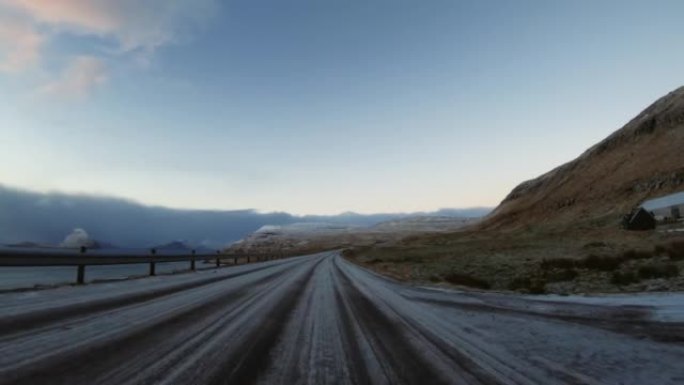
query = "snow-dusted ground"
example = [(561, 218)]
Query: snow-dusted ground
[(322, 320)]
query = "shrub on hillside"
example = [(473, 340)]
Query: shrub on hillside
[(594, 245), (466, 280), (675, 250), (529, 285), (664, 270), (560, 263), (602, 263), (636, 254), (622, 279), (349, 253), (561, 275)]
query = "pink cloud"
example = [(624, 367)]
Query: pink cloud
[(79, 78), (135, 24), (91, 15), (20, 45), (131, 29)]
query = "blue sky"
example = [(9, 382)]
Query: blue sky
[(320, 107)]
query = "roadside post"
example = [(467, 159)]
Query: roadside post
[(80, 274), (152, 263)]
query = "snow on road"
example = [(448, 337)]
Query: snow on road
[(322, 320)]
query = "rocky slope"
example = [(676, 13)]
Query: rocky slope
[(644, 159)]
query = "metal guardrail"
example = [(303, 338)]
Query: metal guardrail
[(34, 258)]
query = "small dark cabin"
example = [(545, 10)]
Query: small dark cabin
[(640, 220)]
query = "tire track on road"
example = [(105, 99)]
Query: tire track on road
[(404, 348), (66, 366)]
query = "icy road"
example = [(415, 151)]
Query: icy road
[(322, 320)]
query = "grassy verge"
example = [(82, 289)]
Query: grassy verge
[(577, 261)]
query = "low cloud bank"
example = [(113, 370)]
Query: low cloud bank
[(45, 218)]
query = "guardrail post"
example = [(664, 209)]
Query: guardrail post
[(218, 261), (80, 275), (192, 261), (234, 260), (248, 259), (152, 267)]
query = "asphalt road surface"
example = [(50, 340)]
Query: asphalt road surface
[(322, 320)]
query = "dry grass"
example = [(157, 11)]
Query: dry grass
[(674, 249), (533, 262), (663, 270)]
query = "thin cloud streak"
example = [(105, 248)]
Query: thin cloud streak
[(83, 75)]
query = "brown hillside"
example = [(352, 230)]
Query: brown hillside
[(643, 159)]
